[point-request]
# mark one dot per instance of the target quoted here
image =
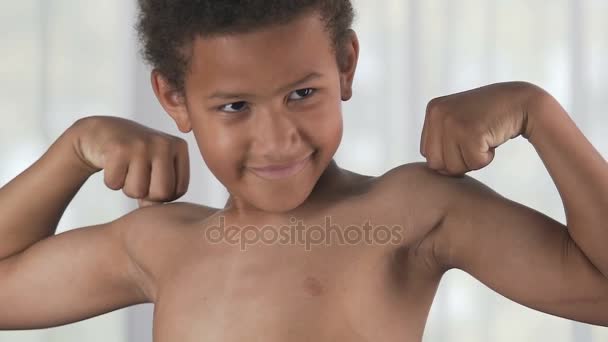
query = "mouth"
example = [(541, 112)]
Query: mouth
[(282, 171)]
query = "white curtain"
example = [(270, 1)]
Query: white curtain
[(413, 51), (65, 59), (61, 60)]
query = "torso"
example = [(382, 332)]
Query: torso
[(282, 292)]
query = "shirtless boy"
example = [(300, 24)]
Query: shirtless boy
[(260, 84)]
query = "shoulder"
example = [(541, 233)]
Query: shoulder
[(409, 173), (162, 220), (416, 179), (152, 235), (162, 223), (168, 215), (426, 199), (412, 184)]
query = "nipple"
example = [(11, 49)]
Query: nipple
[(313, 286)]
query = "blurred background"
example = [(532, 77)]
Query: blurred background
[(65, 59)]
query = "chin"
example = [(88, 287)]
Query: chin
[(282, 203)]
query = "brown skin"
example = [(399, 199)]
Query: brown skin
[(280, 292), (276, 125)]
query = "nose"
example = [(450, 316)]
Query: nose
[(276, 136)]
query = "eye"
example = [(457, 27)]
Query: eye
[(234, 107), (301, 94)]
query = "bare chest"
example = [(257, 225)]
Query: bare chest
[(294, 284)]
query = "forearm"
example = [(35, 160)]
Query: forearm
[(579, 172), (32, 204)]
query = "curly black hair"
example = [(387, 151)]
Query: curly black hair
[(166, 28)]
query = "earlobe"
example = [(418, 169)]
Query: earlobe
[(347, 94), (172, 101), (348, 66)]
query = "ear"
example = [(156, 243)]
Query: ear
[(172, 101), (349, 56)]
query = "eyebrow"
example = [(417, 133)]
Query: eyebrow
[(228, 95)]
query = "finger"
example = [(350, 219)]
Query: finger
[(138, 179), (473, 157), (424, 134), (434, 144), (487, 150), (162, 183), (465, 154), (114, 173), (182, 171), (454, 162), (489, 156)]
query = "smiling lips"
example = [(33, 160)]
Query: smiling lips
[(275, 172)]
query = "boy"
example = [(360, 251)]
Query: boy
[(259, 83)]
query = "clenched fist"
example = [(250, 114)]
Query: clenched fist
[(146, 164), (462, 130)]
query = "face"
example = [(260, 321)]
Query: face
[(265, 109)]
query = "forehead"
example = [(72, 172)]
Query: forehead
[(263, 57)]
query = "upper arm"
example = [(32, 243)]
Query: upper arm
[(69, 277), (520, 253)]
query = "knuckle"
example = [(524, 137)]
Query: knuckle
[(180, 143), (139, 146), (456, 123), (450, 121), (117, 153), (114, 149), (435, 107), (163, 145), (432, 103), (116, 156), (181, 147), (162, 139)]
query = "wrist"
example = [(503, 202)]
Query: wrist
[(70, 145), (537, 106)]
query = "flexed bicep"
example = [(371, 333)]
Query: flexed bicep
[(69, 277), (520, 253)]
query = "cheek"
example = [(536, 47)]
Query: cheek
[(329, 126), (331, 134), (220, 149)]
